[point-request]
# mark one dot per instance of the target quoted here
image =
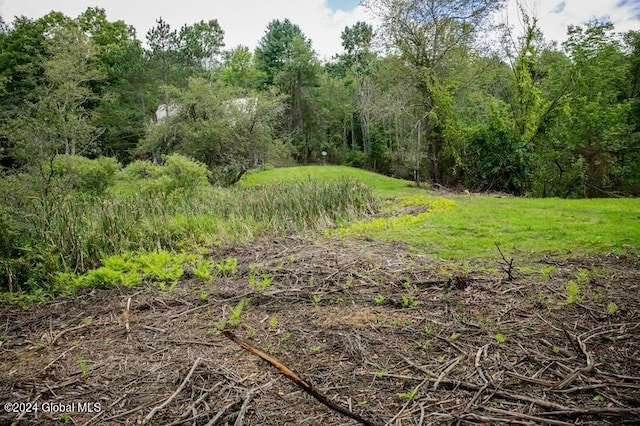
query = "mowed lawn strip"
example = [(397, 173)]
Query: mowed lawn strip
[(524, 227), (382, 186), (521, 226)]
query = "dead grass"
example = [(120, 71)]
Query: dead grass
[(430, 357)]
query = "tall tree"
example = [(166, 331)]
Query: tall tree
[(426, 33)]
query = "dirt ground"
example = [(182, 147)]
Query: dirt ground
[(398, 338)]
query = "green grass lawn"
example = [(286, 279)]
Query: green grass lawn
[(525, 227), (382, 186)]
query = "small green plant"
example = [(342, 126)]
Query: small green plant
[(316, 298), (612, 308), (203, 296), (381, 373), (362, 403), (583, 276), (64, 417), (260, 284), (573, 293), (273, 322), (425, 345), (236, 312), (348, 283), (428, 330), (409, 395), (409, 301), (454, 336), (548, 271), (556, 350), (228, 266), (442, 358), (212, 331), (203, 271), (500, 338), (82, 365), (315, 349), (286, 336), (379, 300), (87, 321)]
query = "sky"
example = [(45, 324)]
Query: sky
[(245, 21)]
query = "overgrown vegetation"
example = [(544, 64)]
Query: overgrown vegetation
[(54, 223)]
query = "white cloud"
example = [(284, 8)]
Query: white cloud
[(555, 16)]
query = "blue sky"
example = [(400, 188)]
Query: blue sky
[(345, 5), (244, 21)]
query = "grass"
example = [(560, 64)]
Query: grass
[(468, 226), (382, 186), (524, 226)]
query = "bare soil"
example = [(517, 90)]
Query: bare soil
[(396, 337)]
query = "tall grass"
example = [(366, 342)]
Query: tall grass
[(72, 232)]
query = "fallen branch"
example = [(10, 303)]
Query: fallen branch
[(296, 378)]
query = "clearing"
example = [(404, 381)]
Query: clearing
[(393, 320)]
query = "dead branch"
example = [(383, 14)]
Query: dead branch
[(296, 378)]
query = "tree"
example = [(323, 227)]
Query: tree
[(201, 43), (276, 47), (239, 70), (426, 33), (60, 122)]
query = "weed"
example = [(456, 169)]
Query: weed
[(500, 338), (227, 266), (316, 298), (236, 312), (442, 358), (286, 336), (82, 365), (409, 395), (556, 350), (203, 296), (87, 321), (315, 349), (409, 301), (573, 293), (203, 271), (381, 373), (425, 345), (379, 300), (582, 276), (454, 336), (273, 322), (548, 271), (260, 284), (612, 308)]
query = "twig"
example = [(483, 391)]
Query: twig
[(447, 370), (508, 264), (295, 378), (222, 411), (243, 409), (406, 404), (540, 420), (125, 315), (164, 404)]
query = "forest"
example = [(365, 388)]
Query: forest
[(433, 95)]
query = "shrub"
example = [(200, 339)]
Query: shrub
[(83, 174)]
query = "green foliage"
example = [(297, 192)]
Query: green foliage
[(236, 312), (409, 395), (379, 300), (84, 175), (227, 266), (573, 293), (260, 284), (500, 338)]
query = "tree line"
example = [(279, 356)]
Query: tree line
[(432, 95)]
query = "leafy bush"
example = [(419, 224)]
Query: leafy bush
[(85, 175)]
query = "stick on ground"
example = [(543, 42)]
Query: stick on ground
[(296, 378)]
